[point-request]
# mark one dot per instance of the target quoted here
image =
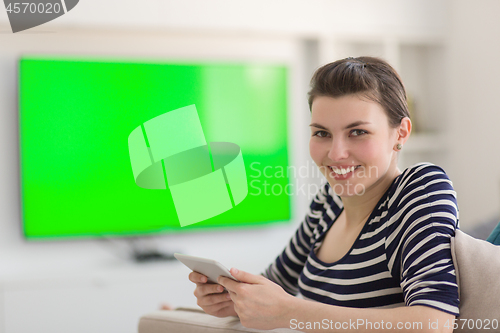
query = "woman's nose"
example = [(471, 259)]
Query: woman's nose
[(338, 151)]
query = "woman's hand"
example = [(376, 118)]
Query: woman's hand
[(259, 302), (211, 297)]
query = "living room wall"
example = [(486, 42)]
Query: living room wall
[(473, 110)]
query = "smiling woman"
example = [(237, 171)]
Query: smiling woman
[(375, 244)]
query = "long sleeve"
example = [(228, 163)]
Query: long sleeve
[(418, 243)]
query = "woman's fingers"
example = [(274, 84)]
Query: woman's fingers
[(213, 299), (203, 289), (223, 309), (197, 277)]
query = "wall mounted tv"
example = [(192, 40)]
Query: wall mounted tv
[(75, 117)]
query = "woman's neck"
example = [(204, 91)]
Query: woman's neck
[(358, 208)]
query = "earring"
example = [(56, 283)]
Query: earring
[(399, 146)]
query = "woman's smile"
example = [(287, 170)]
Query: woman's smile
[(343, 172)]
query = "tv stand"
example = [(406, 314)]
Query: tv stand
[(146, 250), (148, 256)]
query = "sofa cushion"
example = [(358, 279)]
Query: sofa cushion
[(185, 320), (477, 265)]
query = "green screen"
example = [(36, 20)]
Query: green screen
[(76, 116)]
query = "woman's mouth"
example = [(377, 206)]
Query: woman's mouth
[(343, 172)]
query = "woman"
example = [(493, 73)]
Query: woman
[(374, 250)]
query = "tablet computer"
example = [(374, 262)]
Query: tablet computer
[(210, 268)]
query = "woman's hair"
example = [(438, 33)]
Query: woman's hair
[(369, 77)]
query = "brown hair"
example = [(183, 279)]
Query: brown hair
[(370, 77)]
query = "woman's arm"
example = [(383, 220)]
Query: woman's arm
[(418, 241), (262, 304)]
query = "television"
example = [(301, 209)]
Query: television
[(75, 119)]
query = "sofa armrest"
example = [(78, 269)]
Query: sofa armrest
[(477, 267), (189, 320)]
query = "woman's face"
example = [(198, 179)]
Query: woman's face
[(352, 143)]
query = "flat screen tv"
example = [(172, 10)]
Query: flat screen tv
[(76, 116)]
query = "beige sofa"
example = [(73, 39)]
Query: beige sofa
[(477, 264)]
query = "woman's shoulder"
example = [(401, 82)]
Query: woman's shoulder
[(422, 174), (423, 203), (421, 170), (422, 182)]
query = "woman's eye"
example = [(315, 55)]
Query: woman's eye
[(358, 132), (321, 134)]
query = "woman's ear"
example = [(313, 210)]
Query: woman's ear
[(404, 130)]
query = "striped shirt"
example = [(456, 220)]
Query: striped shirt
[(402, 256)]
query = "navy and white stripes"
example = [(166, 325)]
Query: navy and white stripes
[(401, 257)]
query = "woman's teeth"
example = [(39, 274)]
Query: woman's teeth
[(343, 171)]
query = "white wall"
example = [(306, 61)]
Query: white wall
[(297, 17), (474, 109)]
